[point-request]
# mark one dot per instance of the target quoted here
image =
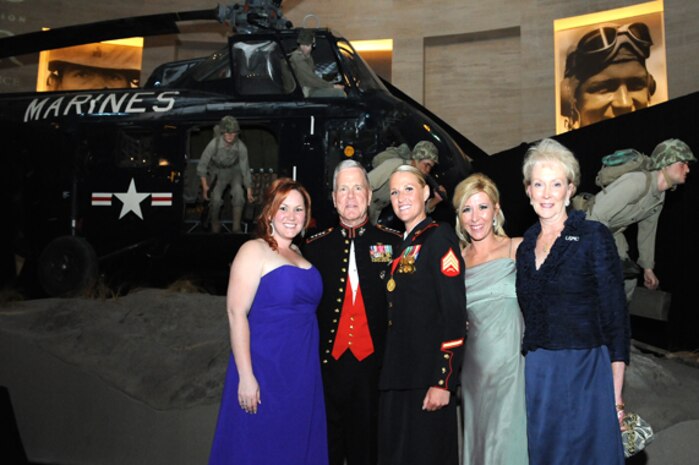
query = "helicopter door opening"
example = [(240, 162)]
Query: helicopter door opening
[(263, 158)]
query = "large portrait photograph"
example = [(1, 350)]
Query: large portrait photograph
[(102, 65), (608, 65)]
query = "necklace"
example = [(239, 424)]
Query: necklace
[(546, 247)]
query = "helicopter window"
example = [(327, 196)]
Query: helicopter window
[(260, 68), (215, 67), (135, 150), (362, 76)]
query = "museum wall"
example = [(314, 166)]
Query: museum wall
[(487, 68)]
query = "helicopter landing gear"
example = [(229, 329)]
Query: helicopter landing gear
[(67, 266)]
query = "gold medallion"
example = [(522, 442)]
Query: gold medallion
[(391, 285)]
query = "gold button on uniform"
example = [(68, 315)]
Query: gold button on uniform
[(446, 356), (441, 382)]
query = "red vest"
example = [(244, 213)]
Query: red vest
[(353, 329)]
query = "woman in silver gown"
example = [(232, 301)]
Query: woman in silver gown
[(492, 377)]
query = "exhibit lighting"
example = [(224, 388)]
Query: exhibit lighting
[(378, 45)]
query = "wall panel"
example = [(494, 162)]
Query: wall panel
[(473, 82)]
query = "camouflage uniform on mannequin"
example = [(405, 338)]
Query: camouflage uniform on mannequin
[(628, 201), (424, 156), (225, 163)]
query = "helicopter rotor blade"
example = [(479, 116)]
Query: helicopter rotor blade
[(136, 26)]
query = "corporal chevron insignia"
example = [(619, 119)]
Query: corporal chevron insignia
[(450, 264)]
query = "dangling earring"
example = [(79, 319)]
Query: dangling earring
[(495, 222), (271, 229), (567, 202)]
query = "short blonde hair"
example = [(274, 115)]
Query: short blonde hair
[(548, 151), (474, 184)]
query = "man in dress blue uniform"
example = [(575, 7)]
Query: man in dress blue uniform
[(353, 259)]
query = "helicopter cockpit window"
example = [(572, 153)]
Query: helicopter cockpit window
[(362, 76), (258, 68), (135, 150), (215, 67)]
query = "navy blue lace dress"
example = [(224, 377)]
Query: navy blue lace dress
[(576, 324)]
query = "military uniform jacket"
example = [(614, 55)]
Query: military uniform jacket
[(426, 311), (219, 155), (624, 203), (329, 252), (304, 68)]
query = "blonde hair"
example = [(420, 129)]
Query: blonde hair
[(547, 151), (474, 184), (411, 169)]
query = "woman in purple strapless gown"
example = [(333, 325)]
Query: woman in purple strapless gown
[(272, 410)]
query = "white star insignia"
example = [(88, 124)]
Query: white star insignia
[(131, 200)]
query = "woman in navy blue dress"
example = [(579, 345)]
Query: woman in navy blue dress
[(272, 410), (576, 340)]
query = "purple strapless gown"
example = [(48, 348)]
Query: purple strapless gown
[(289, 427)]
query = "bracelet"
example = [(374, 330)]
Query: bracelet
[(620, 407)]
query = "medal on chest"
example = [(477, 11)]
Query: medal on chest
[(405, 264)]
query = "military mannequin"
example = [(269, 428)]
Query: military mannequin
[(304, 68), (224, 162), (626, 201), (424, 156)]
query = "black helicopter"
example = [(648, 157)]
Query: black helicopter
[(95, 176)]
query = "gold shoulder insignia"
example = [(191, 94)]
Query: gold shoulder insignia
[(317, 236), (395, 232)]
